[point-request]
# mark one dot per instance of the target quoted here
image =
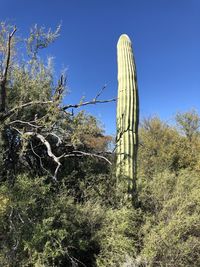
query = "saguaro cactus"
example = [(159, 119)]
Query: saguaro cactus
[(127, 113)]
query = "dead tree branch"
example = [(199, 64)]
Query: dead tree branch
[(3, 79), (92, 102), (78, 153), (49, 151)]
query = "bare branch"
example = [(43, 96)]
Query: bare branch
[(60, 88), (8, 53), (58, 138), (5, 72), (49, 151), (32, 103), (57, 96), (64, 108), (82, 153), (28, 104), (92, 102), (26, 123), (48, 147), (40, 159), (100, 92)]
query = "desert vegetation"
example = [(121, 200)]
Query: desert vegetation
[(61, 202)]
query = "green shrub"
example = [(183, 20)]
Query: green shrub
[(172, 232)]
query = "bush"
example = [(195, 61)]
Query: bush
[(172, 233)]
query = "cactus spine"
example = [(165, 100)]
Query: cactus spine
[(127, 113)]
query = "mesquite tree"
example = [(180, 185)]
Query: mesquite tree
[(34, 122)]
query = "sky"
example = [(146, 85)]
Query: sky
[(166, 43)]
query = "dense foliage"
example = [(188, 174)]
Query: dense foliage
[(60, 202)]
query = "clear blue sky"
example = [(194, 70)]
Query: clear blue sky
[(166, 41)]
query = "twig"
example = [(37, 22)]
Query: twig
[(100, 92)]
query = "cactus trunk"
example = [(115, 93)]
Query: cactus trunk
[(127, 113)]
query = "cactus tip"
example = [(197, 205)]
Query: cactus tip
[(124, 37)]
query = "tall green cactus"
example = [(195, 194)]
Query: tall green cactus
[(127, 113)]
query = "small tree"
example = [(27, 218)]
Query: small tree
[(189, 123), (35, 125), (49, 156)]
